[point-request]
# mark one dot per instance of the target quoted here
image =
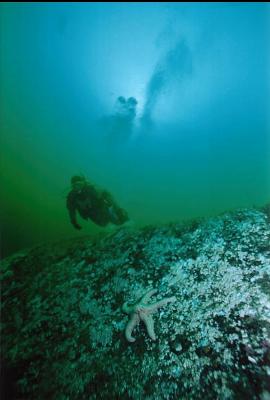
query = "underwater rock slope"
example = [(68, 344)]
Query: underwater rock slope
[(63, 325)]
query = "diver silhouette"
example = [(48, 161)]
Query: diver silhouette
[(90, 203)]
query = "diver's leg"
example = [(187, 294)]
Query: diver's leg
[(117, 215), (99, 218)]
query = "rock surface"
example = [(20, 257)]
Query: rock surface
[(63, 326)]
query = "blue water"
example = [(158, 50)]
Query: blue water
[(195, 141)]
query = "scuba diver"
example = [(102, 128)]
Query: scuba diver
[(99, 206)]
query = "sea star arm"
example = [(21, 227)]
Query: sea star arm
[(153, 307), (149, 323), (134, 320), (127, 309), (147, 295)]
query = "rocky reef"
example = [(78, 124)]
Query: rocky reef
[(63, 327)]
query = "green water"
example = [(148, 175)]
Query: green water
[(198, 145)]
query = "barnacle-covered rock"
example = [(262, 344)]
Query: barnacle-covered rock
[(63, 327)]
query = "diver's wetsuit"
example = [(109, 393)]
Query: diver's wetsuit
[(99, 207)]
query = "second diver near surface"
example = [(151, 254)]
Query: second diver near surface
[(90, 203)]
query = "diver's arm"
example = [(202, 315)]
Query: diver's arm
[(72, 213)]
